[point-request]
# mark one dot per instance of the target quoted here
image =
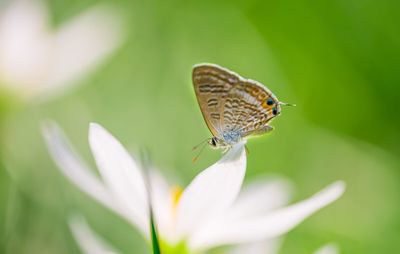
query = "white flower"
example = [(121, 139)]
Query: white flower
[(36, 60), (208, 213), (90, 243)]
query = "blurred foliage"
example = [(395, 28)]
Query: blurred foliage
[(337, 60)]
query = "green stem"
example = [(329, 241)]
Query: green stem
[(154, 236)]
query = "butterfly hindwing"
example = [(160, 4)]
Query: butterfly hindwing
[(246, 108)]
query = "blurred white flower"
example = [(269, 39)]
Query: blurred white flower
[(210, 212), (36, 60), (272, 247), (88, 241), (330, 248)]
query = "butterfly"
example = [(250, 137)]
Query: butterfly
[(234, 108)]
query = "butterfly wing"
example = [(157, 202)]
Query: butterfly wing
[(212, 84), (249, 107), (230, 102)]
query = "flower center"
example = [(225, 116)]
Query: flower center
[(176, 193)]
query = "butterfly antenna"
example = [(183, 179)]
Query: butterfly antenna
[(197, 146), (201, 150), (287, 104)]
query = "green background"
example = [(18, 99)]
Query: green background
[(337, 60)]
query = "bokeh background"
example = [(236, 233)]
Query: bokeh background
[(337, 60)]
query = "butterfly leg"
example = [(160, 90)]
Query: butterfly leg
[(260, 131), (264, 129), (247, 150), (226, 149)]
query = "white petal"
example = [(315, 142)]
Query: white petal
[(328, 249), (255, 199), (271, 246), (260, 196), (88, 241), (270, 225), (81, 44), (73, 167), (121, 174), (162, 205), (24, 45), (211, 192)]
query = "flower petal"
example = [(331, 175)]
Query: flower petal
[(74, 168), (161, 200), (212, 191), (270, 246), (88, 241), (24, 45), (260, 196), (330, 248), (268, 226), (81, 44), (120, 173)]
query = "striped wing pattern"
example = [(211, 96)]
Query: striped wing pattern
[(246, 109), (230, 102)]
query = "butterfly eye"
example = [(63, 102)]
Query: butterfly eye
[(275, 111), (270, 101)]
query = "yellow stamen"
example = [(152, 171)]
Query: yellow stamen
[(176, 193)]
